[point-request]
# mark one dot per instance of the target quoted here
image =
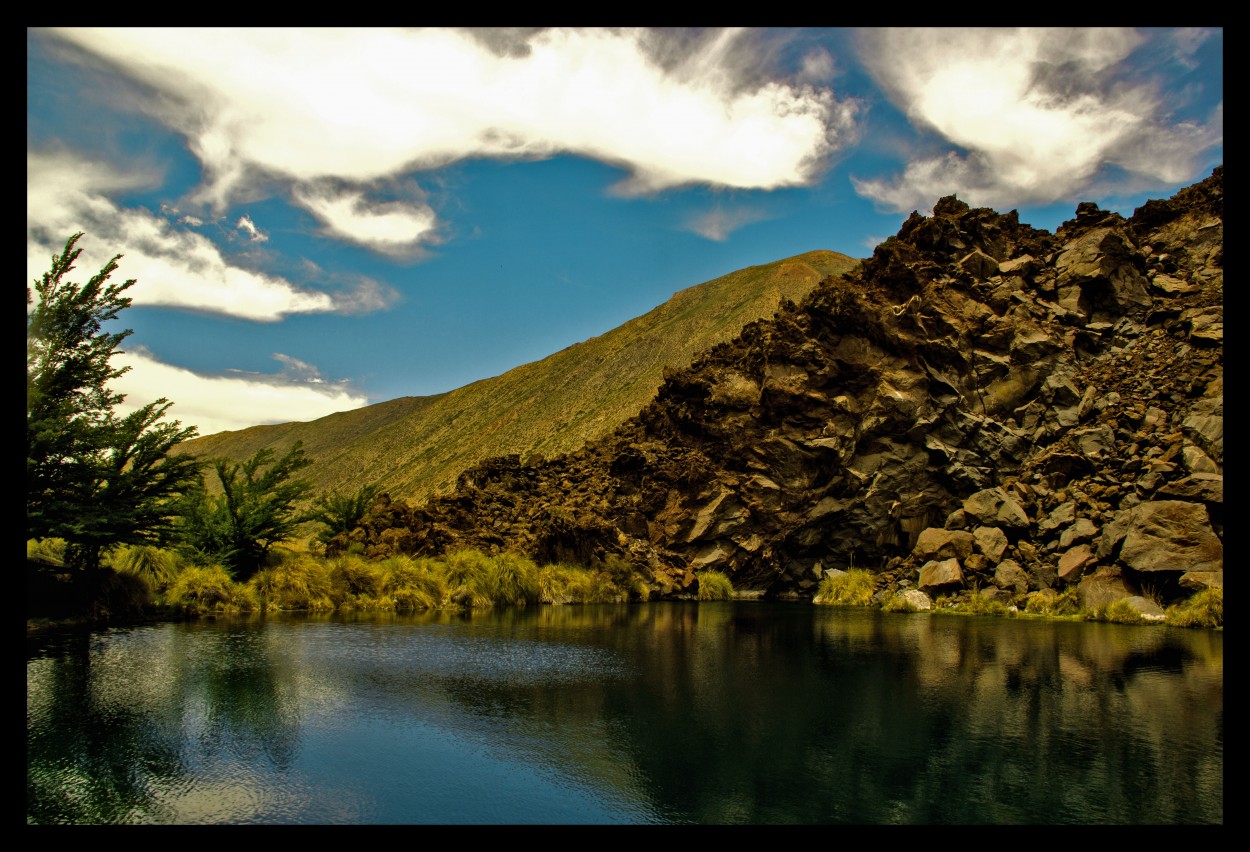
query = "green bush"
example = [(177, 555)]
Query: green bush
[(714, 586), (1205, 609), (851, 588)]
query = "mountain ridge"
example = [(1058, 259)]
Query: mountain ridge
[(415, 447), (980, 408)]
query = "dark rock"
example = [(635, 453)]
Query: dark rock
[(976, 397)]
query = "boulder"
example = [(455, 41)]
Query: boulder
[(937, 575), (992, 507), (1169, 535), (1009, 575), (936, 543), (990, 541)]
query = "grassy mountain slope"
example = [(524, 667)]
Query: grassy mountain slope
[(416, 446)]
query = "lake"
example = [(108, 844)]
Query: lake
[(659, 713)]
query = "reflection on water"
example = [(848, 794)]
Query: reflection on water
[(725, 713)]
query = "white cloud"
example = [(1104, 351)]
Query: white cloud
[(177, 268), (391, 228), (227, 403), (719, 223), (358, 105), (246, 225), (1039, 112)]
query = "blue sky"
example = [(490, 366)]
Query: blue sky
[(323, 219)]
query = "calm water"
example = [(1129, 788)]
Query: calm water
[(658, 713)]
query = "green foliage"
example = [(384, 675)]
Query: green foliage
[(714, 586), (93, 478), (256, 509), (852, 588), (341, 513), (1205, 610)]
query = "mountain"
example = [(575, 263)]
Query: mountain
[(415, 447), (981, 407)]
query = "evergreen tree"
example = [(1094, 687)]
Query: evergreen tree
[(93, 478), (256, 509), (340, 513)]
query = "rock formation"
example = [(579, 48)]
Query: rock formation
[(981, 406)]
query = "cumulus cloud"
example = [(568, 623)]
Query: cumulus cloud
[(230, 402), (254, 233), (719, 223), (357, 105), (1038, 113), (177, 268), (390, 227)]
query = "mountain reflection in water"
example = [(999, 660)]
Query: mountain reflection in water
[(709, 713)]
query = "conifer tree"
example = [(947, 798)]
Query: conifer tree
[(93, 478)]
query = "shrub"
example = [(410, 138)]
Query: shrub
[(714, 586), (852, 588), (1205, 609)]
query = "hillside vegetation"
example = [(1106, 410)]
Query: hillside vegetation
[(415, 447)]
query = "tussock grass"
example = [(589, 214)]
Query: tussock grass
[(298, 582), (898, 603), (1066, 603), (714, 586), (154, 565), (853, 588), (1117, 612), (414, 584), (1205, 609), (50, 550), (205, 589), (355, 578)]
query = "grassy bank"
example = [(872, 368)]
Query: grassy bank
[(1205, 609)]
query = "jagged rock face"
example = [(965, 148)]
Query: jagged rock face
[(978, 393)]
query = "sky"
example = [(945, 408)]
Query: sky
[(323, 219)]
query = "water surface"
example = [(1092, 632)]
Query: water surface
[(722, 713)]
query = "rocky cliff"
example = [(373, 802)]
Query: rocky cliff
[(980, 406)]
